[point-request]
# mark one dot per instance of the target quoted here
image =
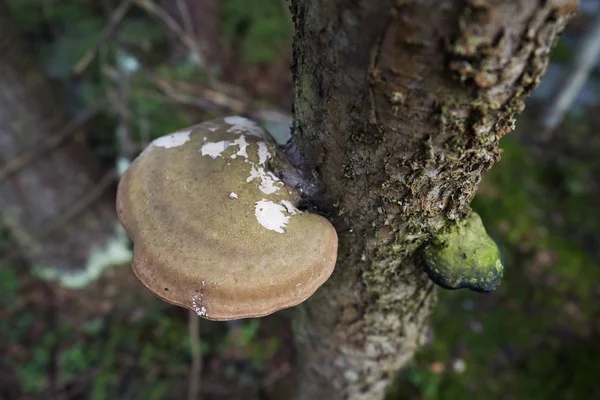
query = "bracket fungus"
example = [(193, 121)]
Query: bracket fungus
[(464, 257), (215, 231)]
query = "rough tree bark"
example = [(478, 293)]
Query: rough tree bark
[(399, 109), (48, 198)]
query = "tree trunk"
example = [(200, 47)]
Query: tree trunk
[(49, 195), (399, 109)]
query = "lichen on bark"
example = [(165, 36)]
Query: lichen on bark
[(399, 110)]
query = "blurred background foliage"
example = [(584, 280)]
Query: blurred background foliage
[(537, 337)]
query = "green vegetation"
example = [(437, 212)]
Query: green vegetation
[(260, 31), (137, 350)]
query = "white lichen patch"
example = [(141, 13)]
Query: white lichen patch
[(244, 125), (197, 305), (263, 153), (243, 145), (271, 215), (173, 140), (233, 195), (290, 207), (214, 149), (269, 183)]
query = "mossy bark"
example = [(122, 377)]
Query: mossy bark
[(39, 200), (399, 109)]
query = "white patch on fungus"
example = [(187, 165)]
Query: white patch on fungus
[(214, 149), (233, 195), (263, 153), (290, 207), (271, 215), (173, 140), (197, 304), (243, 125), (243, 144), (269, 183)]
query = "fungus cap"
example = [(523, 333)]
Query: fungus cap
[(465, 257), (216, 232)]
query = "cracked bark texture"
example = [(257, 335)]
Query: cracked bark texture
[(37, 201), (399, 109)]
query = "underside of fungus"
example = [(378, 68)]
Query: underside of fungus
[(216, 231)]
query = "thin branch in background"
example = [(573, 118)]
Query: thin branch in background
[(196, 369), (114, 20), (188, 41), (185, 17), (74, 126), (574, 79), (206, 98), (125, 143)]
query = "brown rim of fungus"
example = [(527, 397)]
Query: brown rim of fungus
[(214, 231)]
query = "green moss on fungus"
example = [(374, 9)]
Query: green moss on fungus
[(464, 257)]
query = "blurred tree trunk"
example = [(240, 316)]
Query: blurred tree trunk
[(399, 109), (51, 200)]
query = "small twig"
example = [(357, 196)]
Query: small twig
[(161, 14), (579, 70), (21, 161), (185, 17), (207, 98), (126, 145), (113, 22), (196, 369)]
